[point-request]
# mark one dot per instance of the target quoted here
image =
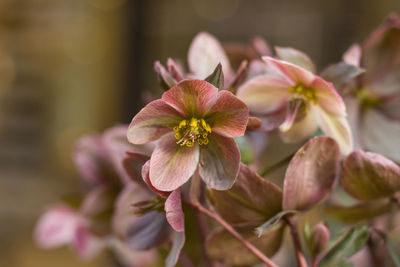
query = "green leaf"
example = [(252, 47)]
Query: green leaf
[(222, 246), (251, 200), (217, 77), (273, 221), (391, 248), (360, 212), (347, 245)]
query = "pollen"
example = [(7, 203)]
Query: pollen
[(189, 132), (305, 92)]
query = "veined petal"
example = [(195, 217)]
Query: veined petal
[(174, 212), (380, 134), (293, 72), (328, 97), (353, 55), (219, 162), (152, 122), (296, 57), (264, 94), (205, 53), (228, 116), (301, 129), (147, 231), (336, 127), (191, 97), (124, 216), (171, 165), (146, 179)]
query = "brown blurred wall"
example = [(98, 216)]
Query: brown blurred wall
[(70, 67)]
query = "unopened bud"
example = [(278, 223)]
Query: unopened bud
[(319, 238)]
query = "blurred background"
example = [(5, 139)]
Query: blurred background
[(73, 67)]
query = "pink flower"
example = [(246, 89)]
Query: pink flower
[(196, 125), (310, 102), (61, 225), (373, 101)]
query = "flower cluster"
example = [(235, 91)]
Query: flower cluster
[(258, 142)]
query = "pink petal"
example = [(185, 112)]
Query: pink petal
[(57, 226), (301, 129), (294, 73), (177, 244), (124, 215), (264, 94), (91, 159), (133, 164), (191, 97), (146, 179), (174, 212), (353, 55), (205, 53), (296, 57), (228, 116), (171, 165), (86, 244), (294, 109), (336, 127), (165, 75), (116, 144), (219, 162), (174, 70), (152, 122), (328, 97)]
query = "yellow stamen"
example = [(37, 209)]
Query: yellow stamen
[(193, 122), (182, 124), (189, 143), (189, 132), (178, 136), (306, 92)]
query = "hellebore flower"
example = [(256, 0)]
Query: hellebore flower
[(145, 217), (87, 228), (61, 225), (204, 55), (196, 125), (310, 102), (373, 100)]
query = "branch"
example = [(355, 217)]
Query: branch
[(301, 260)]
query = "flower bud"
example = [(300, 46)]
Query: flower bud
[(319, 238)]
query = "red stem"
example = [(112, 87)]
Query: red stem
[(301, 260), (232, 231)]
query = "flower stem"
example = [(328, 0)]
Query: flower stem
[(276, 165), (301, 260), (233, 232)]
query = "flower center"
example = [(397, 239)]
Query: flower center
[(190, 131), (305, 92), (367, 98)]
